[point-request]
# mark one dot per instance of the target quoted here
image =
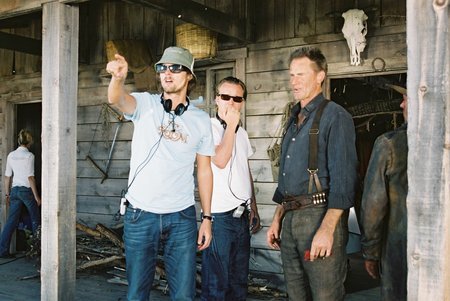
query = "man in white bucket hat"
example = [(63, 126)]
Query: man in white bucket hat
[(169, 136)]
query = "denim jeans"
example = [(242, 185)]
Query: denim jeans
[(144, 234), (225, 263), (318, 280), (18, 197)]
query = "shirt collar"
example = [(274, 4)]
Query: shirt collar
[(310, 107)]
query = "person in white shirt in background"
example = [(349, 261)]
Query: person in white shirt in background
[(20, 190)]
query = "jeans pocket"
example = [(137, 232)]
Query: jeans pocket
[(188, 213), (132, 215)]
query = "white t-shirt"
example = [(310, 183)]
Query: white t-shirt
[(163, 152), (20, 165), (232, 184)]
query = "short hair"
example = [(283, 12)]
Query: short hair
[(312, 53), (232, 80), (24, 137)]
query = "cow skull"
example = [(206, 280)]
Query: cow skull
[(355, 30)]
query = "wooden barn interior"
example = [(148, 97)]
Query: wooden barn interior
[(249, 39)]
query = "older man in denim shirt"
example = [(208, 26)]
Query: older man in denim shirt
[(314, 232)]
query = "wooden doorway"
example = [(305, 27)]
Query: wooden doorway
[(29, 116)]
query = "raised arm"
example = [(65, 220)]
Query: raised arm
[(225, 149), (117, 96)]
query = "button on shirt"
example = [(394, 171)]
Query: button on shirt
[(20, 166), (337, 159)]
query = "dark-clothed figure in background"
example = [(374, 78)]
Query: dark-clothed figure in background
[(169, 136), (225, 264), (20, 190), (383, 210), (318, 231)]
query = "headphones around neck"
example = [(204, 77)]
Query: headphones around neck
[(179, 110), (224, 124)]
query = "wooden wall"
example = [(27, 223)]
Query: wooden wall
[(281, 26)]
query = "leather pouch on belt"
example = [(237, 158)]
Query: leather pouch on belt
[(277, 197)]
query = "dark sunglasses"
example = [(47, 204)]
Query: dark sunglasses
[(227, 97), (176, 68)]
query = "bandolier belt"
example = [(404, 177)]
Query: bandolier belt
[(303, 201)]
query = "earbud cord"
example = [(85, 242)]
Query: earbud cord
[(173, 121), (148, 157), (230, 175)]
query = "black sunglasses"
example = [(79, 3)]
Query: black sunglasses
[(176, 68), (227, 97)]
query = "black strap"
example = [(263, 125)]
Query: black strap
[(314, 147)]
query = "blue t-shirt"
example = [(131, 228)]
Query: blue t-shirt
[(163, 152)]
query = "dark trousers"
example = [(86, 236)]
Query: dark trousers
[(225, 264), (319, 280)]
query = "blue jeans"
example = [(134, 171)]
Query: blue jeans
[(176, 234), (321, 280), (225, 263), (18, 197)]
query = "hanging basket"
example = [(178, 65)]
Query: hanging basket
[(201, 42)]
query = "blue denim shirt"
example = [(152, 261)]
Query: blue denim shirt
[(337, 159)]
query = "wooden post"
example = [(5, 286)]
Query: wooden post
[(59, 132), (428, 201)]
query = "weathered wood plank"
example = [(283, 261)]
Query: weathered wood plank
[(98, 19), (323, 38), (90, 187), (97, 204), (305, 18), (261, 170), (388, 47), (324, 19), (267, 103), (116, 11), (428, 200), (100, 151), (97, 94), (259, 146), (263, 126), (393, 12), (92, 132), (92, 219), (264, 17), (135, 15), (59, 108), (226, 24), (118, 169), (264, 192)]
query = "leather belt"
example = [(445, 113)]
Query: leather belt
[(305, 200)]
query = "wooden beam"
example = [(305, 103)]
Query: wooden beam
[(60, 27), (428, 200), (12, 8), (19, 21), (202, 15), (20, 43)]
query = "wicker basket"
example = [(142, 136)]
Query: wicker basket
[(201, 42)]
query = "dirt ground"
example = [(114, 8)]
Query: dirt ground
[(19, 281)]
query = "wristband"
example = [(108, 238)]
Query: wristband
[(207, 217)]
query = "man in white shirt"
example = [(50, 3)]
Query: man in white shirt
[(225, 264), (169, 136)]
